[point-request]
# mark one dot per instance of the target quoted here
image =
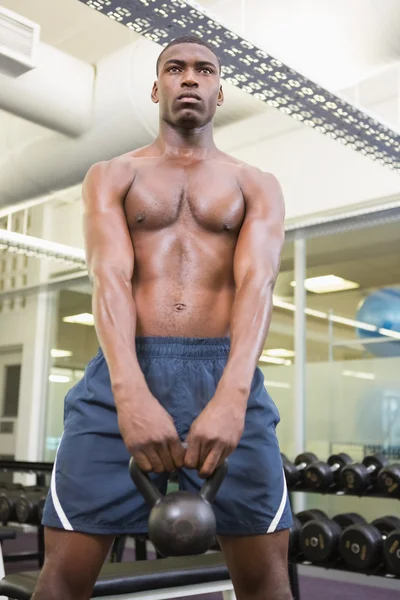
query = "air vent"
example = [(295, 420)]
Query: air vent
[(19, 39)]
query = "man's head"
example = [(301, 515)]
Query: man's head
[(188, 82)]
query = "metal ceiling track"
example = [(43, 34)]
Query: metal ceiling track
[(259, 74)]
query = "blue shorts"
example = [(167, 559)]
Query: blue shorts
[(91, 490)]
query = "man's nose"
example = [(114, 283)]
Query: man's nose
[(189, 79)]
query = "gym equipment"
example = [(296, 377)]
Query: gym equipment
[(381, 308), (391, 552), (320, 476), (389, 480), (180, 523), (319, 539), (361, 546), (358, 478), (9, 494), (294, 546), (29, 506), (5, 534), (171, 577), (294, 471), (309, 515)]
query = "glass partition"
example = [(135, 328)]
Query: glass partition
[(353, 384)]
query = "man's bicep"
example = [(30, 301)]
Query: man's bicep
[(108, 243), (262, 234)]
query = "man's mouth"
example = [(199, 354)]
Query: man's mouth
[(189, 97)]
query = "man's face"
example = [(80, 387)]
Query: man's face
[(188, 86)]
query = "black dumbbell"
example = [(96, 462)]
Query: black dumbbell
[(294, 471), (361, 546), (298, 521), (320, 476), (389, 480), (294, 546), (358, 478), (319, 540), (28, 505), (391, 552), (9, 495)]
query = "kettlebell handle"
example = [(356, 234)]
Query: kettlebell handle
[(213, 483), (146, 487), (152, 494)]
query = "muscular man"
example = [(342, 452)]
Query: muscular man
[(183, 247)]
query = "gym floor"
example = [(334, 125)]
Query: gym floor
[(311, 588)]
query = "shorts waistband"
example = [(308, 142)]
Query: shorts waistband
[(181, 347)]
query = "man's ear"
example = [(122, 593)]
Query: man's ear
[(220, 100), (154, 93)]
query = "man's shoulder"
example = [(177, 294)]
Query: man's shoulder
[(250, 175)]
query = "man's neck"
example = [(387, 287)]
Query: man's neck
[(186, 143)]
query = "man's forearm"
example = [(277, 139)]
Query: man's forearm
[(115, 320), (251, 316)]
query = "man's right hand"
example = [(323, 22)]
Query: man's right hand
[(149, 434)]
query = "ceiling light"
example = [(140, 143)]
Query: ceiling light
[(257, 73), (277, 384), (274, 360), (60, 353), (358, 374), (81, 319), (279, 352), (389, 333), (326, 284), (59, 378)]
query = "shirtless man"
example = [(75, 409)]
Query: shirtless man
[(183, 246)]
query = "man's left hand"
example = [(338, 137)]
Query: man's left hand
[(215, 434)]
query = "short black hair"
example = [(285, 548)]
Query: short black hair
[(188, 39)]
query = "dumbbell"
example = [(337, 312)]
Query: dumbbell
[(358, 478), (29, 506), (294, 533), (361, 546), (389, 480), (320, 539), (298, 521), (391, 552), (294, 471), (320, 476), (9, 495)]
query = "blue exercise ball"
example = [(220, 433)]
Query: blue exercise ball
[(382, 309)]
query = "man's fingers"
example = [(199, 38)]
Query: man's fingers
[(155, 460), (210, 463), (164, 453), (192, 455), (142, 462), (178, 452)]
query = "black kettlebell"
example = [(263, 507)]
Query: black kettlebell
[(180, 523)]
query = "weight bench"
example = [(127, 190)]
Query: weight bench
[(144, 580)]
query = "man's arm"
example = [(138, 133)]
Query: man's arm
[(218, 429), (110, 259), (256, 266), (147, 429)]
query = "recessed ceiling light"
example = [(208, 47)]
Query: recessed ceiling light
[(274, 360), (59, 378), (81, 319), (277, 384), (279, 352), (359, 374), (60, 353), (327, 284)]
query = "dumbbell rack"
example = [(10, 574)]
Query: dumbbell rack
[(40, 470), (336, 564)]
